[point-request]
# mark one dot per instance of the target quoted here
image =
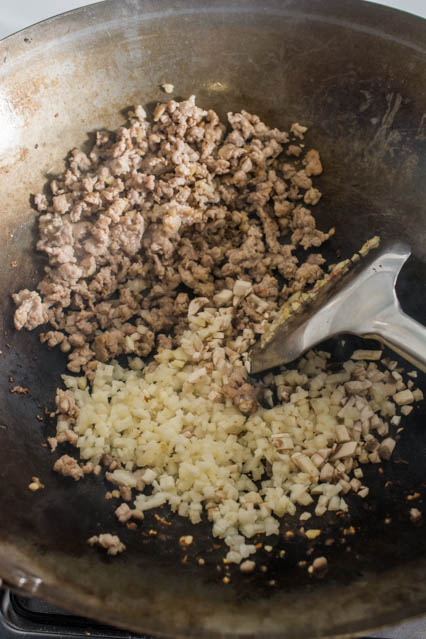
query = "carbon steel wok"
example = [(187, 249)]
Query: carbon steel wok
[(354, 72)]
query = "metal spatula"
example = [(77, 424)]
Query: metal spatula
[(363, 302)]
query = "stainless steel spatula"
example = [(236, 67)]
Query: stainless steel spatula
[(363, 302)]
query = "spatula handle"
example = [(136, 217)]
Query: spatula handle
[(402, 334)]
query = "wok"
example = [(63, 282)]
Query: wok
[(356, 74)]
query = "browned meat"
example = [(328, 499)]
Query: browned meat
[(109, 345), (68, 467), (123, 513), (111, 543), (65, 403), (305, 231), (242, 393), (298, 130), (53, 443), (31, 312), (312, 163), (53, 338), (125, 493), (67, 435), (245, 399)]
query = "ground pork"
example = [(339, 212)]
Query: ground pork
[(158, 212), (31, 311), (124, 513), (68, 467), (111, 543)]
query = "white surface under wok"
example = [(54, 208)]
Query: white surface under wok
[(18, 14)]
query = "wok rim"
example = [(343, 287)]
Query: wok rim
[(12, 570)]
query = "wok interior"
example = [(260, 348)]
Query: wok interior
[(361, 88)]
